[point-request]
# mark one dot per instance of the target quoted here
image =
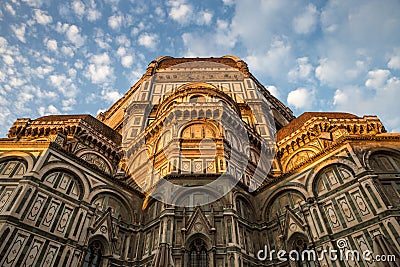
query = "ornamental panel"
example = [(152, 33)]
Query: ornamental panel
[(346, 209), (5, 196), (36, 207), (333, 217), (32, 255), (360, 203), (64, 219), (50, 256), (15, 250), (51, 213)]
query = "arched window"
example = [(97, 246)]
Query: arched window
[(163, 140), (198, 256), (12, 168), (392, 191), (331, 177), (288, 198), (118, 208), (93, 256), (138, 160), (96, 161), (152, 211), (64, 182), (198, 131), (381, 163), (198, 149), (197, 99), (244, 209), (233, 140), (300, 157), (387, 163)]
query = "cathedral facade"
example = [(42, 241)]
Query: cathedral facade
[(198, 165)]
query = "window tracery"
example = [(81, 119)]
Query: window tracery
[(93, 256), (288, 198), (381, 162), (64, 182), (331, 177), (198, 256), (12, 167), (118, 208)]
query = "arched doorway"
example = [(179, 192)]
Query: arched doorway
[(198, 255), (94, 254)]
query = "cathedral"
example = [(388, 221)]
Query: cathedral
[(199, 165)]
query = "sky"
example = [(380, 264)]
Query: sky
[(80, 56)]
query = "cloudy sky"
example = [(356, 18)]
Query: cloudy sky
[(80, 56)]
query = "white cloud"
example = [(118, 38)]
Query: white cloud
[(3, 44), (301, 98), (78, 64), (127, 61), (204, 18), (382, 102), (21, 103), (19, 31), (93, 14), (103, 40), (394, 62), (41, 17), (72, 33), (110, 96), (8, 59), (123, 40), (41, 71), (159, 12), (58, 80), (377, 78), (138, 28), (228, 2), (273, 90), (214, 43), (338, 72), (121, 51), (78, 7), (52, 109), (100, 59), (180, 11), (99, 71), (148, 40), (115, 21), (67, 104), (34, 3), (302, 70), (68, 51), (74, 36), (51, 44), (49, 110), (4, 115), (16, 82), (10, 9), (274, 62), (306, 22), (64, 85)]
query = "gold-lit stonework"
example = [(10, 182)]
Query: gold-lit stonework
[(76, 190)]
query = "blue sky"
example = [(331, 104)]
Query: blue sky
[(80, 56)]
